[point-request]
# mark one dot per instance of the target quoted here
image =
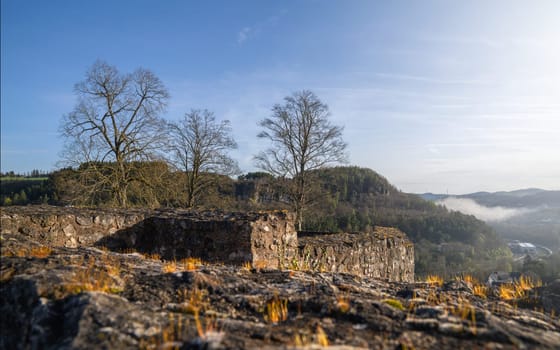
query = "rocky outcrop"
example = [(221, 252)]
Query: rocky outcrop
[(89, 298)]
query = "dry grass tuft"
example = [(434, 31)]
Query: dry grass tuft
[(480, 290), (40, 252), (191, 264), (518, 289), (35, 252), (470, 279), (87, 280), (128, 251), (194, 300), (435, 280), (96, 275), (153, 256), (246, 266), (276, 310), (111, 264), (308, 340), (169, 267), (172, 335), (210, 329), (321, 337), (343, 303)]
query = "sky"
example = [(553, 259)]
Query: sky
[(437, 96)]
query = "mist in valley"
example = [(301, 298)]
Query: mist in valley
[(519, 219), (488, 214)]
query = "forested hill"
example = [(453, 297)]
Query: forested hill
[(447, 242), (357, 198)]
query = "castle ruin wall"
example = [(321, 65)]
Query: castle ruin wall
[(264, 239)]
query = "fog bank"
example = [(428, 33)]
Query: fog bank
[(471, 207)]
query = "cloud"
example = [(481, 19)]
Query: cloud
[(243, 35), (471, 207), (465, 40), (425, 79), (254, 30)]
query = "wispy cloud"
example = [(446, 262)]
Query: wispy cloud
[(434, 80), (464, 40), (256, 29), (243, 35)]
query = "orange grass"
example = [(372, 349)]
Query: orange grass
[(40, 252), (480, 290), (246, 266), (276, 310), (434, 279), (306, 341), (196, 299), (191, 264), (321, 337), (518, 289), (169, 267), (343, 303), (89, 279), (35, 252), (153, 256)]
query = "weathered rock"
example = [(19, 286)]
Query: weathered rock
[(87, 298), (549, 297)]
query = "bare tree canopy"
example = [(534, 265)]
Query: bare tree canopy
[(200, 147), (114, 123), (303, 139)]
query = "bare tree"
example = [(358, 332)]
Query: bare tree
[(303, 140), (200, 146), (114, 124)]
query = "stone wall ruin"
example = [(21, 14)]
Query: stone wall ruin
[(264, 239), (384, 253)]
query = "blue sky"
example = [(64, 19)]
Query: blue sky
[(439, 96)]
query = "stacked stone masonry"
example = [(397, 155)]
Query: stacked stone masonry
[(384, 253), (264, 239)]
